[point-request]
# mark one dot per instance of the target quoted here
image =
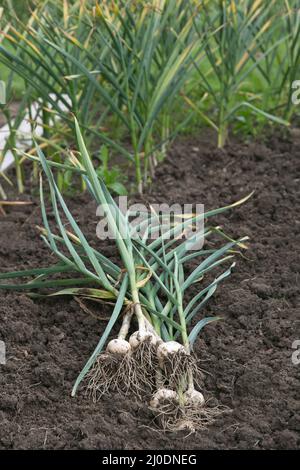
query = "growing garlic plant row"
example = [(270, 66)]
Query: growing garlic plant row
[(151, 356), (141, 72)]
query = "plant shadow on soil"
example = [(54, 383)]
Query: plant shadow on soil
[(247, 357)]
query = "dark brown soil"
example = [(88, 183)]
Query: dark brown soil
[(247, 357)]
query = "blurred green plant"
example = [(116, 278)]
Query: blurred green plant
[(118, 64), (231, 59), (112, 177), (135, 74)]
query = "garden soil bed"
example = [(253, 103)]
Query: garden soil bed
[(247, 357)]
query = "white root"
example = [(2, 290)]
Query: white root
[(118, 347), (163, 396)]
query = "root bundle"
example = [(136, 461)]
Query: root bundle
[(138, 368)]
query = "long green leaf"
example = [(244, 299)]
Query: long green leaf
[(201, 324), (114, 317)]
